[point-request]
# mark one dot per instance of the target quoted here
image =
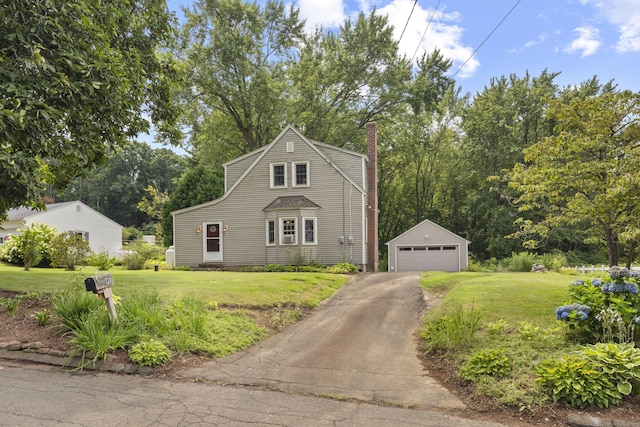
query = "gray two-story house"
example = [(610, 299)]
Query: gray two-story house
[(292, 200)]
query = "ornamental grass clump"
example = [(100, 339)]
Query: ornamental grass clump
[(615, 298)]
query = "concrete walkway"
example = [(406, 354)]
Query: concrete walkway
[(361, 344)]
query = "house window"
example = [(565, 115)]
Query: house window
[(301, 174), (278, 175), (310, 232), (271, 232), (288, 231)]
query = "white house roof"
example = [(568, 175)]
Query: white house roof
[(24, 212)]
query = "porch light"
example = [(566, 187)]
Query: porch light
[(198, 229), (225, 228)]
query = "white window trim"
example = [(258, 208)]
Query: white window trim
[(266, 237), (294, 176), (315, 231), (271, 175), (295, 230)]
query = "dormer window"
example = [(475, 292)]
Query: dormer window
[(300, 174), (278, 175)]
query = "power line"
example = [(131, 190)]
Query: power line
[(425, 30), (407, 23), (486, 38)]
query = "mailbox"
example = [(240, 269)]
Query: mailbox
[(98, 283)]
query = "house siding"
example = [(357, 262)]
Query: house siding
[(341, 205), (437, 236), (235, 168)]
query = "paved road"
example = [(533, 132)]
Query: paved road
[(40, 395), (360, 345)]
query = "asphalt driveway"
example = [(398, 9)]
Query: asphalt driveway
[(361, 344)]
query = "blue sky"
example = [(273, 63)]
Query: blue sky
[(579, 38)]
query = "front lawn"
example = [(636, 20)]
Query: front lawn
[(160, 314), (490, 333)]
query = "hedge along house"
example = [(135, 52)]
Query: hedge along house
[(428, 247), (102, 233), (292, 201)]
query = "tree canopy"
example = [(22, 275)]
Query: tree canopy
[(586, 174), (77, 78)]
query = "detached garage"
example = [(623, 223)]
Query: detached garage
[(428, 247)]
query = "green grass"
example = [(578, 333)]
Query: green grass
[(518, 321), (514, 297), (225, 288)]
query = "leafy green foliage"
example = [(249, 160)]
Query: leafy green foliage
[(342, 268), (72, 306), (199, 185), (488, 362), (620, 362), (613, 308), (584, 176), (139, 253), (31, 247), (578, 382), (150, 353), (451, 332), (99, 335), (43, 317), (101, 260), (68, 250), (78, 78)]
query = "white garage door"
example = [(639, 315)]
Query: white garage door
[(428, 258)]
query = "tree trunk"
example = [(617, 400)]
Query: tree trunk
[(612, 246), (631, 254)]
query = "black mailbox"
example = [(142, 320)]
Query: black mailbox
[(98, 282)]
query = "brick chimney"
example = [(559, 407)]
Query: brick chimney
[(372, 198)]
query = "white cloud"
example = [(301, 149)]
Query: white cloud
[(541, 39), (587, 43), (625, 15), (328, 13), (442, 32)]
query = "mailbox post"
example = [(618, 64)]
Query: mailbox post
[(101, 284)]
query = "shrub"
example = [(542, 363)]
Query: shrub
[(150, 353), (101, 260), (140, 253), (42, 317), (491, 363), (603, 310), (30, 248), (343, 268), (68, 250), (521, 262), (553, 261)]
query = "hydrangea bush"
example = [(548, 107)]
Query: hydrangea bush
[(604, 310)]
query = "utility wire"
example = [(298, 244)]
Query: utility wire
[(425, 31), (487, 38), (407, 23)]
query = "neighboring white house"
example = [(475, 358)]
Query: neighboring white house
[(102, 233), (428, 247)]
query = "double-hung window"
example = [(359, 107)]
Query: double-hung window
[(278, 175), (288, 231), (271, 232), (300, 171), (310, 231)]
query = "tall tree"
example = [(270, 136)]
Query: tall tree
[(76, 80), (236, 54), (198, 185), (586, 175), (501, 121), (344, 79), (115, 188)]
